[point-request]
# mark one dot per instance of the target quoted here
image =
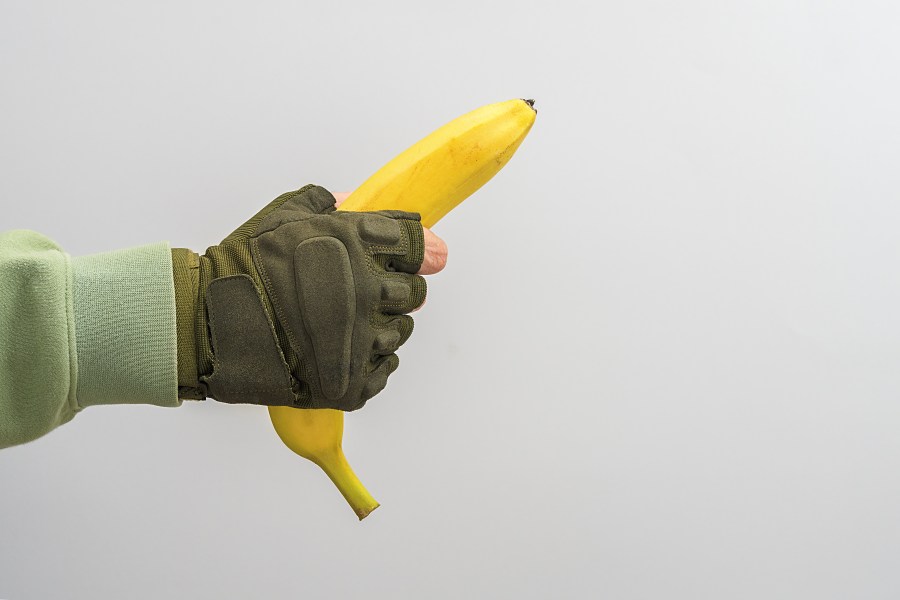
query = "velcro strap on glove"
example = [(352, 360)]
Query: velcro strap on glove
[(248, 366)]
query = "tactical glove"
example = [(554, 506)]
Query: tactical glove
[(301, 306)]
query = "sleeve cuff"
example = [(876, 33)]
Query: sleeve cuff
[(125, 327)]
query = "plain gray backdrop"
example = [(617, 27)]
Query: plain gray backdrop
[(662, 361)]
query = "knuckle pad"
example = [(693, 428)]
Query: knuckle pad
[(379, 230), (394, 292), (325, 289), (387, 341)]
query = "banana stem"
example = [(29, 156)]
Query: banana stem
[(337, 468)]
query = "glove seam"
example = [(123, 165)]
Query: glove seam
[(307, 377), (244, 390)]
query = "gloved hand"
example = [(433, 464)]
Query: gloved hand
[(300, 306)]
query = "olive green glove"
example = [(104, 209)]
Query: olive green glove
[(301, 306)]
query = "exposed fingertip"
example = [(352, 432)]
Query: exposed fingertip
[(339, 198), (435, 254)]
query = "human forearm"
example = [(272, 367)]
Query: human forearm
[(79, 332)]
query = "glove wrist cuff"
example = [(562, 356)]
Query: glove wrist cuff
[(125, 327), (186, 276)]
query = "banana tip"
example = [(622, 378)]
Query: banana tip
[(362, 513), (530, 102)]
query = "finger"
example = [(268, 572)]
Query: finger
[(392, 335), (312, 198), (405, 326), (392, 332), (379, 376), (408, 251), (339, 198), (402, 293), (435, 254)]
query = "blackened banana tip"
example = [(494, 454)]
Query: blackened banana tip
[(530, 102)]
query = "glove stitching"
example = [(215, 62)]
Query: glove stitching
[(400, 250), (376, 317), (280, 315)]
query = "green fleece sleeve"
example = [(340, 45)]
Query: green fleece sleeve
[(80, 332)]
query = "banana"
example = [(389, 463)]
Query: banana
[(430, 177), (316, 435), (434, 175)]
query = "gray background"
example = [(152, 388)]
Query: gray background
[(663, 359)]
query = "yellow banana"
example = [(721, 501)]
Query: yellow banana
[(430, 177), (316, 434), (435, 174)]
